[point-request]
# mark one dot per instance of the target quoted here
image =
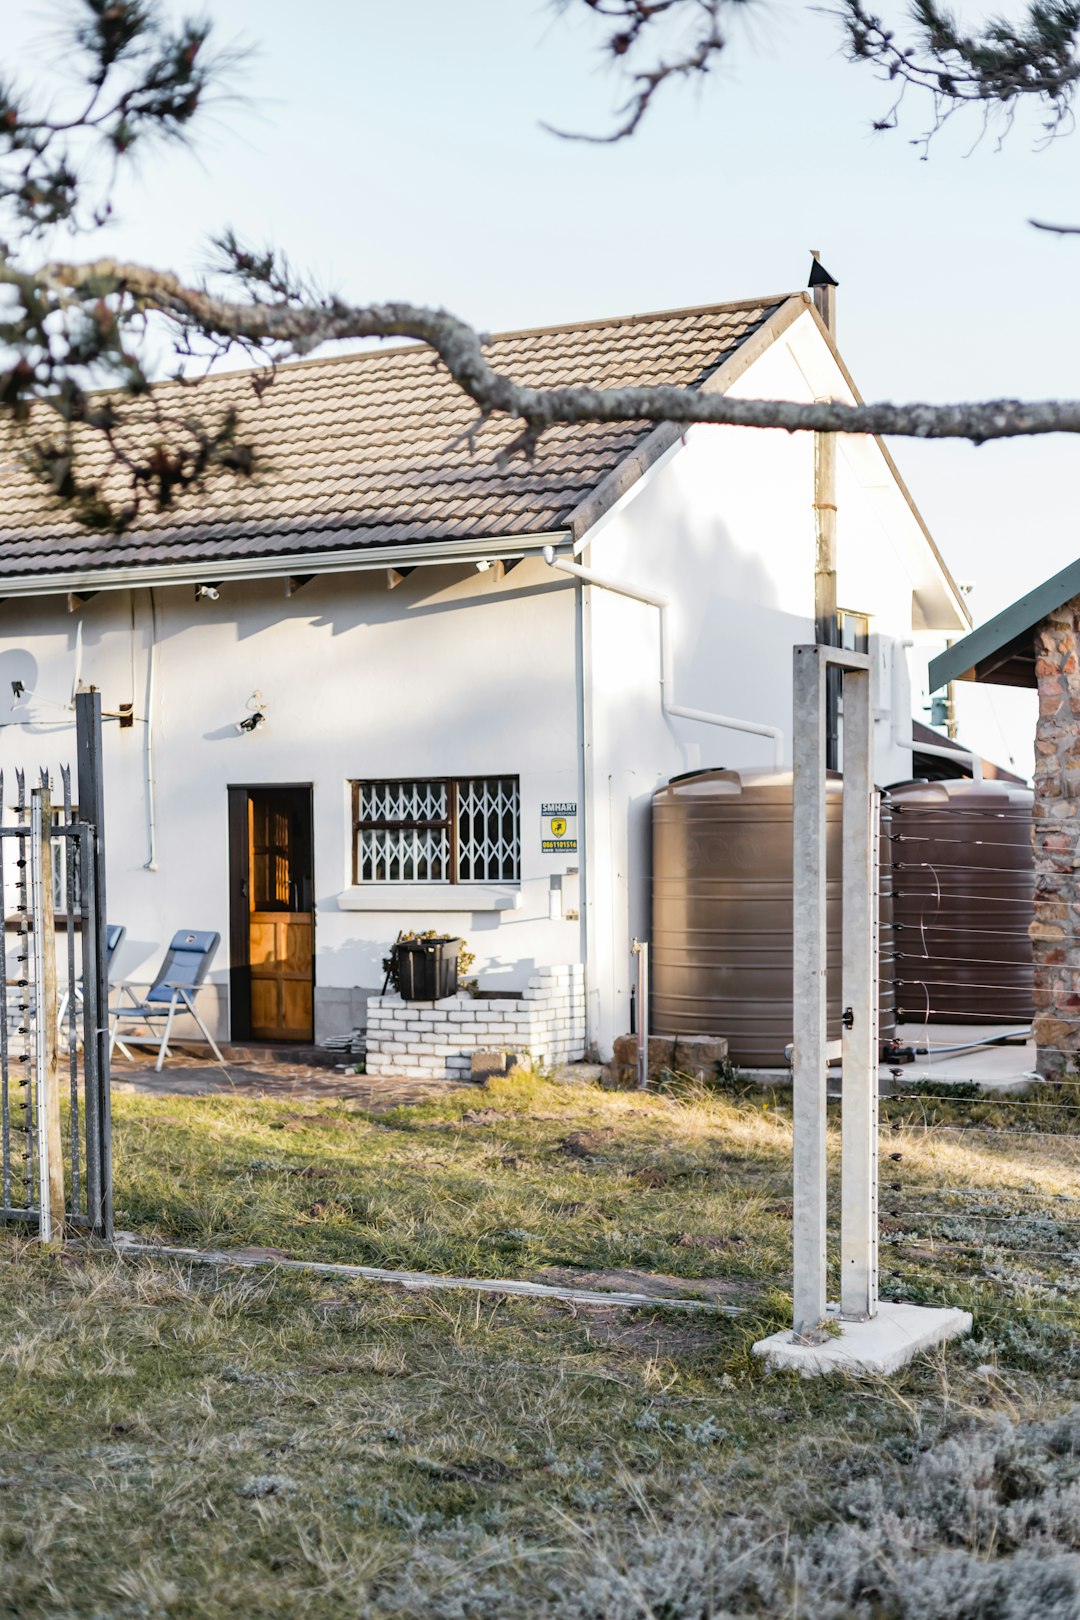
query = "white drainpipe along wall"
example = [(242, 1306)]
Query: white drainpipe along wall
[(667, 681), (901, 718)]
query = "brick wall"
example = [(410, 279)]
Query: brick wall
[(1055, 933), (436, 1039)]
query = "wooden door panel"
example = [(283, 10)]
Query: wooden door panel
[(263, 947), (296, 1005), (294, 945), (265, 1008)]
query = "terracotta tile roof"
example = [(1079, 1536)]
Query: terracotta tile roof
[(366, 449)]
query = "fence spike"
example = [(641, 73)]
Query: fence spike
[(65, 777), (20, 784)]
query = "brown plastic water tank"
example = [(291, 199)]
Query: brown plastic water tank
[(721, 948), (964, 884)]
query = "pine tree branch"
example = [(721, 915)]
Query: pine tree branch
[(293, 327)]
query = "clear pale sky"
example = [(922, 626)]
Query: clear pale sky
[(394, 148)]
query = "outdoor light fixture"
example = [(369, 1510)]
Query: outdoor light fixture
[(209, 593), (498, 569), (256, 716)]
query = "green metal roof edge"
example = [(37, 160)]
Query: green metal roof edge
[(1023, 614)]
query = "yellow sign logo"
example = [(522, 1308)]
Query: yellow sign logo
[(558, 826)]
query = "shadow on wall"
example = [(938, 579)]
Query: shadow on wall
[(22, 706)]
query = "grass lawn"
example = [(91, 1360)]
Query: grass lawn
[(191, 1442)]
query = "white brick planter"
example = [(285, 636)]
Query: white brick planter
[(435, 1040)]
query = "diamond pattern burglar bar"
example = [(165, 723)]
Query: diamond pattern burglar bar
[(489, 833), (461, 830)]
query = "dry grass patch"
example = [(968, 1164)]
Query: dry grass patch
[(197, 1443)]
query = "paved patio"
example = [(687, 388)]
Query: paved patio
[(295, 1074)]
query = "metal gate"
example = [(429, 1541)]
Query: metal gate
[(55, 1132)]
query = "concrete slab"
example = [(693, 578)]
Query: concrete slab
[(895, 1336), (1006, 1070)]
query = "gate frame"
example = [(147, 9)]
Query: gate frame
[(875, 1336), (59, 1189)]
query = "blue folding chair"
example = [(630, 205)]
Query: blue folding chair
[(187, 962), (114, 938)]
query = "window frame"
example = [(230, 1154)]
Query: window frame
[(449, 824)]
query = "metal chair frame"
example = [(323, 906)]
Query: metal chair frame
[(151, 1007), (116, 933)]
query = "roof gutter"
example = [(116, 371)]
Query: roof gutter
[(359, 559)]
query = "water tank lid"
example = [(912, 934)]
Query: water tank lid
[(717, 782), (962, 791)]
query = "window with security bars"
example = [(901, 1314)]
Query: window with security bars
[(449, 830)]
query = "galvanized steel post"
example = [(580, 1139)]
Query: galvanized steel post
[(91, 799), (46, 1075)]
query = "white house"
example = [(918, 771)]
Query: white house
[(364, 694)]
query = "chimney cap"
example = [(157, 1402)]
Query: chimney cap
[(819, 276)]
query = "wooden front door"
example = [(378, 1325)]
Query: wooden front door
[(273, 924)]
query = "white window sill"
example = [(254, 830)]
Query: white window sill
[(429, 897)]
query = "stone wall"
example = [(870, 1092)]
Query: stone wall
[(1055, 932), (424, 1040)]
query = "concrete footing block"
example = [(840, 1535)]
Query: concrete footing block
[(895, 1336), (491, 1065)]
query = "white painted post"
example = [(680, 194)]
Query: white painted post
[(639, 948), (809, 964), (858, 1202), (859, 1111), (871, 1340)]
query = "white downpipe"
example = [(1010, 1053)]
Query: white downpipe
[(151, 783), (76, 674), (667, 682), (901, 720)]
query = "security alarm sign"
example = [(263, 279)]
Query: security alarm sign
[(558, 828)]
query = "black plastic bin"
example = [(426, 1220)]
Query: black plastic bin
[(427, 969)]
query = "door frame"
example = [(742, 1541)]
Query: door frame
[(240, 911)]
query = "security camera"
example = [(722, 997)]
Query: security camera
[(208, 592), (253, 721)]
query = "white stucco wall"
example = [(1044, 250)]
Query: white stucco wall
[(724, 528), (449, 674)]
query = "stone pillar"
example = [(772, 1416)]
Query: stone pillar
[(1055, 932)]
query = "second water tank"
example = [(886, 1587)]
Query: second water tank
[(964, 885)]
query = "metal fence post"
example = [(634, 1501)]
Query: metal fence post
[(91, 801), (46, 1072), (859, 1111), (809, 964)]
